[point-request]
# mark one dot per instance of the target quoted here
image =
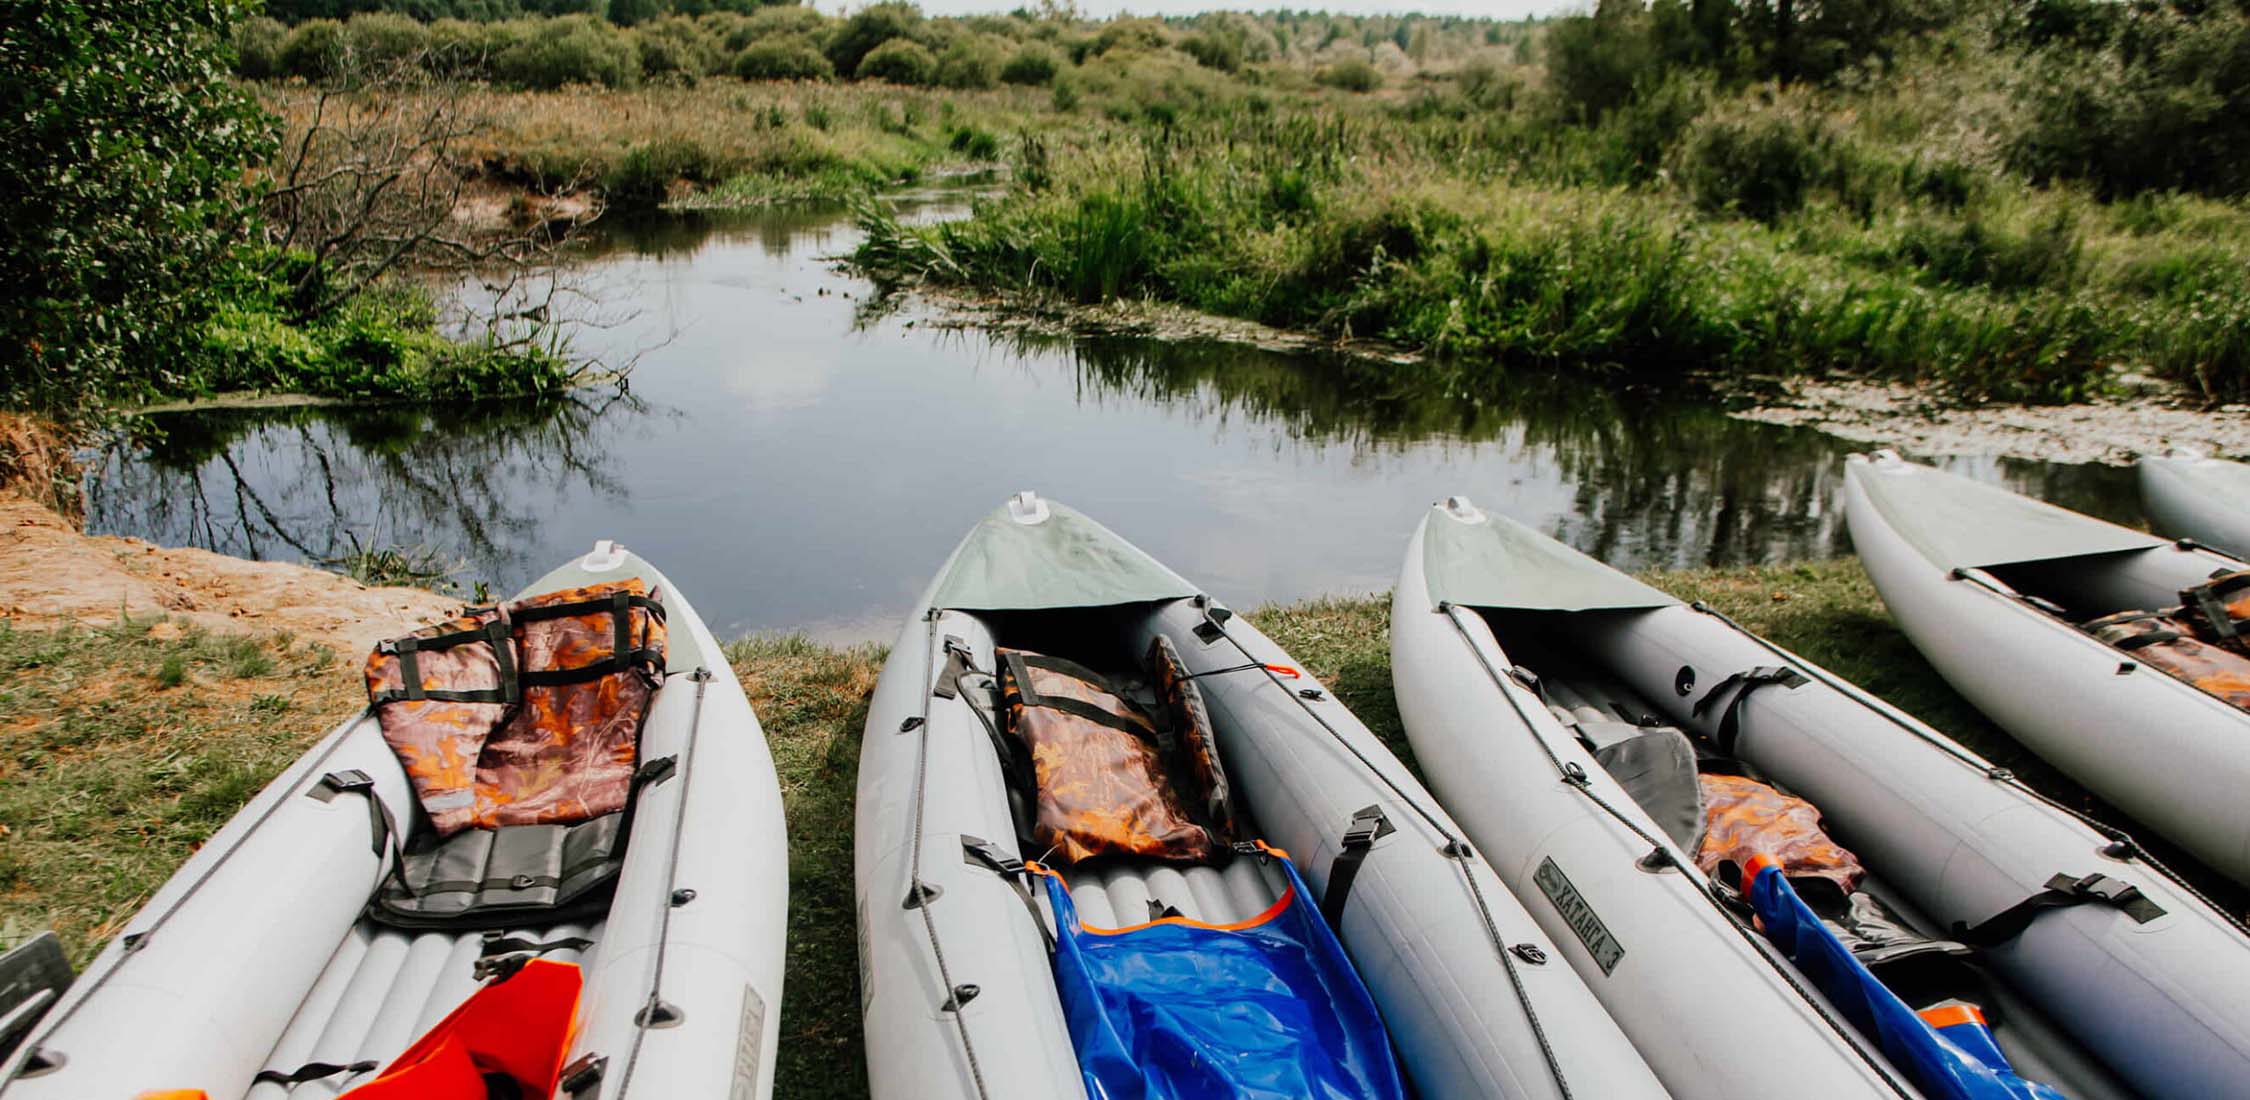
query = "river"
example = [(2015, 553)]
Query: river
[(798, 458)]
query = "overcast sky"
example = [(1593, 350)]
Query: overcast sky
[(1495, 9)]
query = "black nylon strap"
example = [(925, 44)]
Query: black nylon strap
[(1738, 688), (2206, 603), (1077, 708), (494, 633), (384, 829), (988, 855), (1368, 826), (503, 955), (2062, 892), (310, 1071), (588, 607), (2153, 637)]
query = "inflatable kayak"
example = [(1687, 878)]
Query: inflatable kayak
[(595, 909), (2095, 645), (2191, 497), (1958, 891), (1109, 836)]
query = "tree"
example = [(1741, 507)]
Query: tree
[(126, 149), (868, 28)]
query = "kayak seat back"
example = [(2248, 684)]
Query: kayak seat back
[(518, 727), (1656, 766), (2218, 610), (2167, 642), (1108, 773)]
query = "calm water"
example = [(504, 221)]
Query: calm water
[(798, 460)]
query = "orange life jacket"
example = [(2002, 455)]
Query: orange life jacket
[(2169, 643)]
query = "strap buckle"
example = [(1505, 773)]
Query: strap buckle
[(1368, 826)]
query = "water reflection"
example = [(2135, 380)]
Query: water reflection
[(796, 461)]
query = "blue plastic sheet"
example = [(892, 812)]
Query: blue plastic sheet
[(1958, 1062), (1267, 1010)]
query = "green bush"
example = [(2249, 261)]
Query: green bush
[(675, 49), (774, 22), (1352, 75), (643, 179), (1145, 35), (575, 49), (1214, 49), (898, 61), (127, 147), (974, 142), (257, 47), (1972, 253), (969, 61), (784, 57), (1762, 167), (465, 50), (869, 28), (315, 50), (2168, 106), (382, 39), (1033, 63)]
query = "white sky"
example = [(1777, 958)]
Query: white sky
[(1495, 9)]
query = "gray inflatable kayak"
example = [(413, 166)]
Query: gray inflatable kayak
[(257, 955), (2205, 499), (958, 988), (2098, 999), (1994, 588)]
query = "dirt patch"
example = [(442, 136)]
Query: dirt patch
[(52, 574), (2152, 420), (36, 464)]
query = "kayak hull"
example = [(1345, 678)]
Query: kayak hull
[(2205, 499), (2172, 756), (1411, 924), (263, 961), (1662, 959)]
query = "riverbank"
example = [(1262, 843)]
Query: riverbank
[(130, 735)]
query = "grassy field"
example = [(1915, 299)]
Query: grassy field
[(125, 746)]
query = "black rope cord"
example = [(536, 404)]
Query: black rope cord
[(2129, 848), (133, 941), (648, 1015), (1454, 847), (914, 872), (1576, 778)]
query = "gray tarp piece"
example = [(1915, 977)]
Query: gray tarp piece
[(1962, 524), (1500, 563), (1065, 560)]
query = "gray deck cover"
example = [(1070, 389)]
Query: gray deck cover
[(1962, 524), (1500, 563), (1065, 560)]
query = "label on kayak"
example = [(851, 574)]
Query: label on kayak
[(749, 1044), (1579, 915)]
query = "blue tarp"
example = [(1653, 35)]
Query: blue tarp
[(1266, 1010), (1957, 1062)]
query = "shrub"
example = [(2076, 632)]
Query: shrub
[(786, 57), (1147, 35), (314, 50), (383, 39), (1033, 63), (257, 47), (1352, 75), (127, 145), (675, 49), (869, 28), (2169, 106), (463, 49), (970, 61), (1214, 49), (1762, 167), (642, 180), (774, 22), (898, 61), (572, 50), (1972, 253), (974, 142)]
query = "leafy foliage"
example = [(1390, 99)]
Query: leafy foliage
[(126, 147)]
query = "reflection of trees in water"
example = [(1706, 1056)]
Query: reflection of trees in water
[(1656, 479), (471, 483)]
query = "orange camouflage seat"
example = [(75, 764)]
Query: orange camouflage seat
[(524, 714), (1745, 819), (1104, 766), (2218, 610), (2169, 643)]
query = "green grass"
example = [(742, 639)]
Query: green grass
[(110, 778)]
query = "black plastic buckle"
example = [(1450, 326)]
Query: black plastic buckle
[(1368, 826), (347, 781)]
